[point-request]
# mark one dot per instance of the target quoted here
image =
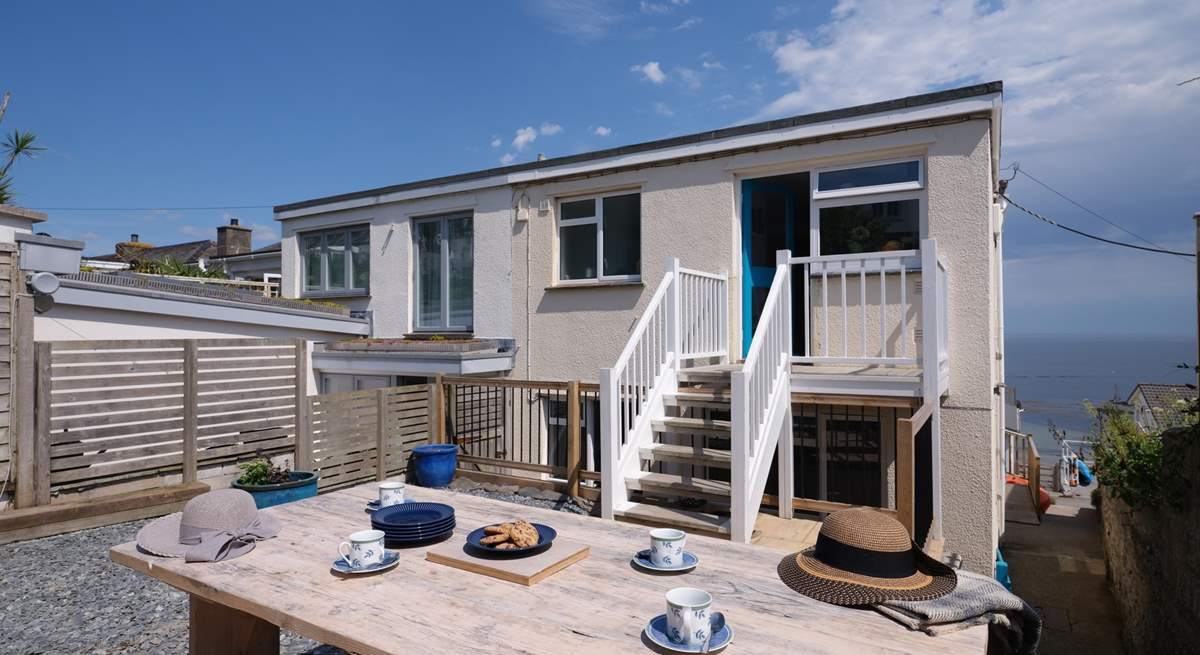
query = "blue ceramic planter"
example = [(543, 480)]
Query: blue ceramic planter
[(435, 464), (302, 485)]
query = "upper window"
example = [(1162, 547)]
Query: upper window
[(870, 227), (337, 261), (444, 277), (600, 238), (874, 178)]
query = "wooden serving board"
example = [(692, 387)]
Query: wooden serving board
[(523, 570)]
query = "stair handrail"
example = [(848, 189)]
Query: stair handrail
[(760, 393)]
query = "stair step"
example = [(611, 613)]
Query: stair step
[(676, 518), (712, 428), (668, 484), (704, 375), (707, 398), (662, 452)]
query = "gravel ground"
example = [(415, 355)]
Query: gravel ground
[(62, 595)]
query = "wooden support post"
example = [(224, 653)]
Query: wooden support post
[(574, 445), (190, 409), (304, 437), (381, 434), (905, 470), (439, 410), (23, 394), (41, 433), (221, 630)]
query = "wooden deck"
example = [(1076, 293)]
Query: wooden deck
[(599, 605)]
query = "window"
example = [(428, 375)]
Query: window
[(336, 262), (444, 262), (870, 227), (883, 177), (600, 238)]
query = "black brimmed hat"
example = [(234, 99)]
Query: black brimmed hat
[(864, 557)]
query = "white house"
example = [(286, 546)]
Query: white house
[(656, 270)]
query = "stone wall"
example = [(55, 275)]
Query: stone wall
[(1154, 564)]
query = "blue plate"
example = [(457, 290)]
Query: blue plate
[(373, 505), (689, 562), (418, 534), (390, 559), (412, 515), (546, 536), (423, 539), (656, 631), (424, 527)]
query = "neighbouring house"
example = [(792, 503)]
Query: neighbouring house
[(802, 314), (1157, 407), (232, 239), (262, 264)]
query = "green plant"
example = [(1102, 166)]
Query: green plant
[(1134, 465), (16, 145), (260, 471), (169, 266)]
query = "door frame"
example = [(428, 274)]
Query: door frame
[(749, 273)]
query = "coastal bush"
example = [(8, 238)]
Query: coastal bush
[(1142, 469)]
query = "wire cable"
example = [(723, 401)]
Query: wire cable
[(1093, 236), (147, 209)]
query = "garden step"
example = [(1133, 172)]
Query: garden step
[(675, 518), (712, 428), (668, 484), (705, 398), (662, 452)]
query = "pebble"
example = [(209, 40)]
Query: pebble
[(61, 595)]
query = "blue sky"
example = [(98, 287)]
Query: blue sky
[(162, 105)]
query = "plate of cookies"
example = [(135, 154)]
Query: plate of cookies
[(518, 538)]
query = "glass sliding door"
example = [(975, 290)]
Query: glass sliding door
[(444, 275)]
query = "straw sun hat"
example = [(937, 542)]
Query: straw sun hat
[(864, 557), (213, 526)]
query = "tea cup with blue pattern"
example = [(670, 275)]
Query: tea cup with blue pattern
[(666, 547), (688, 611), (365, 548)]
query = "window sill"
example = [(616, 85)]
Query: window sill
[(594, 285)]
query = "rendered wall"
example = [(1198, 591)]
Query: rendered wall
[(72, 323)]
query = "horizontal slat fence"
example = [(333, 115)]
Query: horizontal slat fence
[(347, 433), (109, 411)]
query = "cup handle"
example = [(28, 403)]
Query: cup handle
[(346, 555)]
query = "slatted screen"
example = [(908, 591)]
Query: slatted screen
[(346, 432)]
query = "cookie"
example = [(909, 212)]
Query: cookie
[(496, 529), (524, 535), (494, 539), (508, 545)]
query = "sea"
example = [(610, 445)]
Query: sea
[(1055, 374)]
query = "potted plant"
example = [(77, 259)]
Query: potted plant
[(274, 485)]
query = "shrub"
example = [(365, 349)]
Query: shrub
[(1134, 465), (260, 471)]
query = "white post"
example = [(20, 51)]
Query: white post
[(723, 317), (674, 311), (741, 524), (612, 487), (786, 474), (930, 299)]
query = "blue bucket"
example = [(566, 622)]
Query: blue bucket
[(435, 464), (303, 484)]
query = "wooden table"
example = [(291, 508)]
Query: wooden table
[(599, 605)]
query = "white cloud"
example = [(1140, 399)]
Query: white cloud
[(712, 64), (582, 19), (550, 129), (495, 142), (654, 7), (600, 130), (757, 87), (689, 77), (507, 158), (662, 109), (525, 136), (785, 11), (198, 231), (264, 233), (651, 71), (688, 24)]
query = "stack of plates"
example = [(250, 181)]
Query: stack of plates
[(414, 522)]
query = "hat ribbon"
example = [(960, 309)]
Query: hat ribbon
[(871, 563), (209, 545)]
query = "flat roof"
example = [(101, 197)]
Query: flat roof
[(699, 137)]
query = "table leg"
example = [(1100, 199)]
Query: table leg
[(219, 630)]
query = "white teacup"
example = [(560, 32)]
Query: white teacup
[(666, 546), (391, 493), (688, 616), (364, 549)]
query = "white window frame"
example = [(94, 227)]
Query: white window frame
[(598, 220), (325, 290), (919, 184), (444, 261)]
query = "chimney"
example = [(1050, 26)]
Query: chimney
[(233, 239), (131, 249)]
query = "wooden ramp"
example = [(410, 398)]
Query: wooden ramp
[(1019, 505)]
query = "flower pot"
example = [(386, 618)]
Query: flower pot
[(302, 485), (435, 464)]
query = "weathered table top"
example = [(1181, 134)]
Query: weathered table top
[(598, 605)]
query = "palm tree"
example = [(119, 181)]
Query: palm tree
[(16, 145)]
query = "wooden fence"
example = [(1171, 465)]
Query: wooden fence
[(9, 272), (349, 430), (523, 430), (109, 411)]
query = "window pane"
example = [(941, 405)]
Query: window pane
[(429, 274), (360, 258), (335, 246), (578, 209), (312, 262), (577, 246), (873, 227), (768, 226), (623, 235), (461, 267), (850, 178)]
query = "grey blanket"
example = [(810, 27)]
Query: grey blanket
[(977, 600)]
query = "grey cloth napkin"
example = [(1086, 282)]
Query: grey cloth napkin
[(216, 545), (976, 600)]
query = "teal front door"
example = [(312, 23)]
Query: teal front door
[(768, 225)]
